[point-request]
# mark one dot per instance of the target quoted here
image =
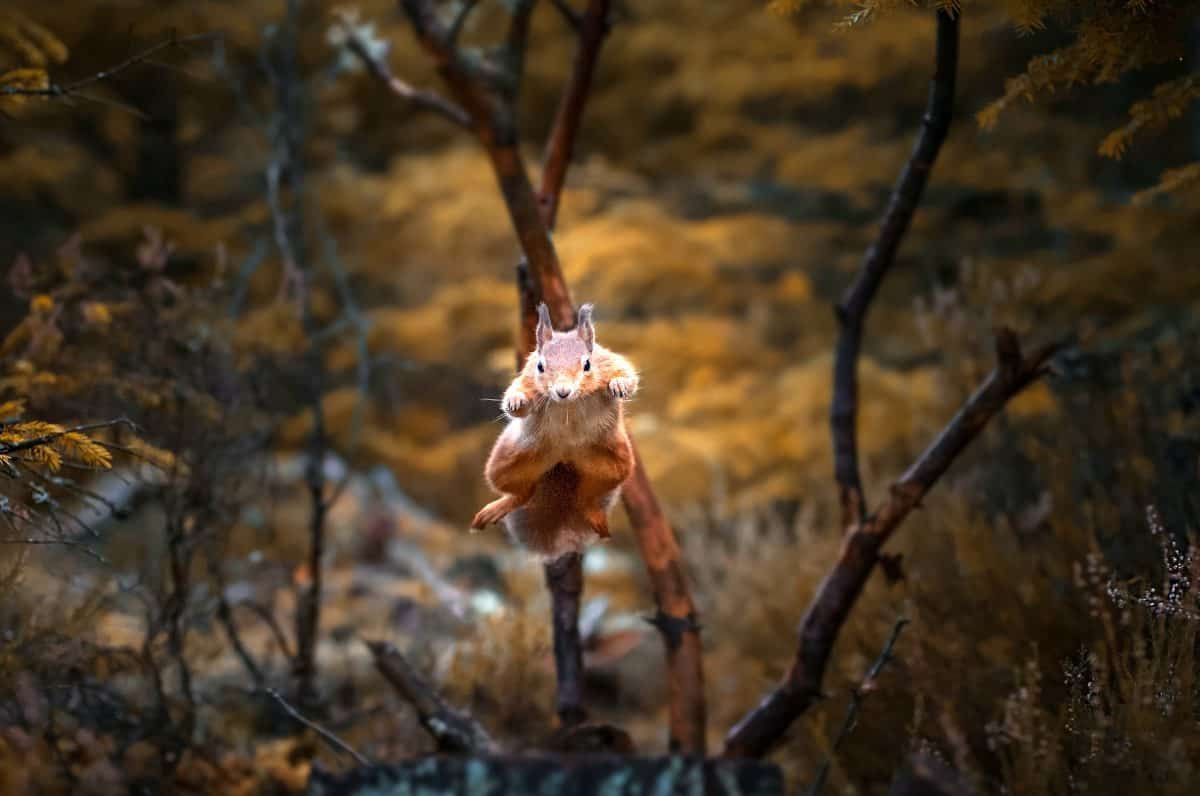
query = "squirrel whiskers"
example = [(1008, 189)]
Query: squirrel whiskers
[(560, 462)]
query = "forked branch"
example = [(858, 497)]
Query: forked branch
[(487, 94), (764, 726), (879, 258)]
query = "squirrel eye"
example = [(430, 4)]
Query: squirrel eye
[(587, 364), (541, 367)]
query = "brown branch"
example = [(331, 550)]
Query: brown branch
[(593, 27), (880, 257), (541, 279), (493, 119), (676, 617), (766, 724), (454, 732)]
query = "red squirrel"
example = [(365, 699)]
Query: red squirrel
[(561, 461)]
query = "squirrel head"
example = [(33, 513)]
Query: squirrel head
[(562, 366)]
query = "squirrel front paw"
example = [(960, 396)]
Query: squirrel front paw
[(622, 387), (515, 404)]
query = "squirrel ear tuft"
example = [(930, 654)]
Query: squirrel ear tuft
[(545, 329), (585, 328)]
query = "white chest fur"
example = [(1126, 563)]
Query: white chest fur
[(563, 427)]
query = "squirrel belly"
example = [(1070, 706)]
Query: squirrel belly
[(552, 523), (587, 456)]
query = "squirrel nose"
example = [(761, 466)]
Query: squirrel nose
[(563, 392)]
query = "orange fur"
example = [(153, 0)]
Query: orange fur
[(561, 461)]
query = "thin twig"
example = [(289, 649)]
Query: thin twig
[(857, 696), (326, 735), (453, 732), (80, 546), (272, 624), (879, 259), (421, 98), (65, 90)]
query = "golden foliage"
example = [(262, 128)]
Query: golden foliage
[(34, 44), (1173, 181), (49, 444), (1170, 101)]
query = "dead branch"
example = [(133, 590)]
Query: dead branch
[(287, 130), (453, 731), (857, 696), (487, 93), (766, 724), (421, 98), (676, 615), (325, 734), (852, 309), (593, 27)]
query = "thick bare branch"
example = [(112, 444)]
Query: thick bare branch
[(541, 279), (852, 310), (764, 726), (564, 580), (454, 732), (676, 616)]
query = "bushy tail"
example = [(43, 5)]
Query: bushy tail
[(551, 524)]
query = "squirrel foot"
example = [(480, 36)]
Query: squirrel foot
[(515, 404), (622, 387), (495, 511)]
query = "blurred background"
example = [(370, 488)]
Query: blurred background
[(732, 166)]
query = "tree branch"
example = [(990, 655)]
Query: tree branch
[(381, 71), (564, 580), (540, 278), (593, 27), (764, 726), (880, 257), (454, 732)]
